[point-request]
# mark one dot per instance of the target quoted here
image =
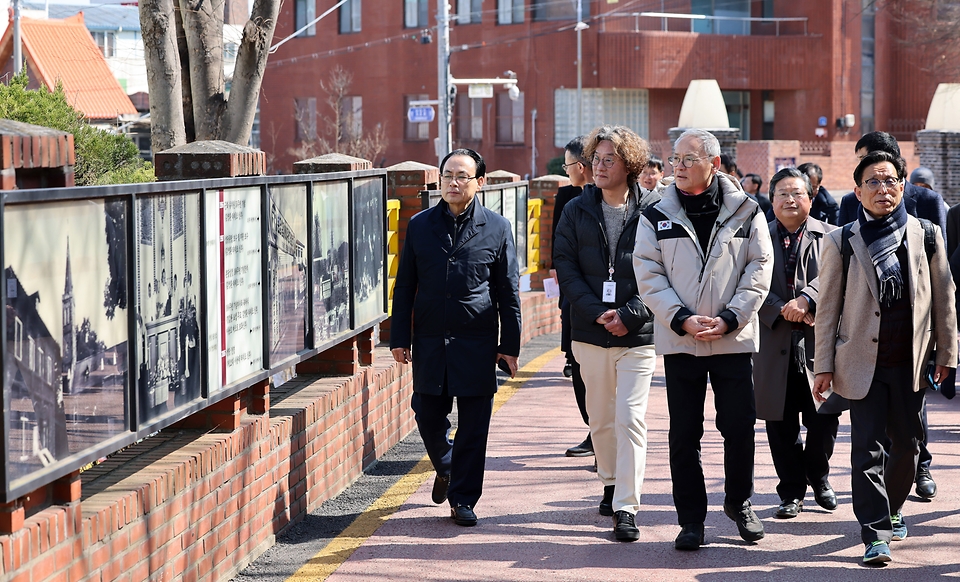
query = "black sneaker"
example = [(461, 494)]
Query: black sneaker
[(584, 449), (690, 538), (606, 504), (625, 528), (750, 526)]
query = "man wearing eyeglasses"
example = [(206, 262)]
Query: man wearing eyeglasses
[(921, 203), (703, 262), (456, 301), (783, 368), (876, 327)]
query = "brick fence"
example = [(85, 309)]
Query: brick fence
[(194, 506)]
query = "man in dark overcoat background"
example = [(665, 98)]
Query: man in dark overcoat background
[(783, 368), (457, 302)]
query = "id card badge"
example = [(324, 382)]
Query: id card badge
[(609, 292)]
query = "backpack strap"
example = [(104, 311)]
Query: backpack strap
[(929, 237), (846, 249)]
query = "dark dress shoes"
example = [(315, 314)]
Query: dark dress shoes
[(606, 504), (440, 485), (690, 538), (926, 487), (824, 495), (463, 515), (584, 449), (789, 508), (625, 529)]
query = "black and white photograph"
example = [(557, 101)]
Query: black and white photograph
[(331, 260), (168, 288), (233, 283), (369, 239), (521, 228), (65, 366), (287, 270)]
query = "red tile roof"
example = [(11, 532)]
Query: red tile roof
[(64, 50)]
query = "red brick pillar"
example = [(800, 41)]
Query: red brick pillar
[(328, 163), (209, 159), (545, 188), (32, 156), (11, 516), (502, 177)]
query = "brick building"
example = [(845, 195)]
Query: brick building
[(786, 69)]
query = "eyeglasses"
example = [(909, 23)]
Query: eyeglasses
[(607, 162), (874, 184), (688, 161), (565, 166), (787, 195), (460, 180)]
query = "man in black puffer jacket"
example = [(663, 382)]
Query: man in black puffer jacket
[(612, 330)]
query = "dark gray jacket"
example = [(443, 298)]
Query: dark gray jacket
[(581, 258)]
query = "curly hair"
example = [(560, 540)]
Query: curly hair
[(631, 148)]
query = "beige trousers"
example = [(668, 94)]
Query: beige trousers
[(618, 386)]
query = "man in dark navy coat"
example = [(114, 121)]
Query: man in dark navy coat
[(457, 301)]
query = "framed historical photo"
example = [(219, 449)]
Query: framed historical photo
[(286, 270), (331, 260), (369, 250), (65, 365), (168, 293), (233, 284)]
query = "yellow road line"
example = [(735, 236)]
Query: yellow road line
[(340, 548)]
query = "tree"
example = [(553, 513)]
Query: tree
[(342, 128), (933, 25), (101, 157), (183, 45), (88, 343)]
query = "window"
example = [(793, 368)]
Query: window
[(414, 131), (350, 17), (509, 11), (351, 117), (304, 11), (106, 42), (415, 14), (509, 119), (18, 339), (32, 355), (255, 131), (470, 118), (629, 107), (468, 11), (305, 116), (738, 111), (738, 10), (553, 10)]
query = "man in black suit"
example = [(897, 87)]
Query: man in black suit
[(824, 207), (457, 303), (580, 172), (921, 203)]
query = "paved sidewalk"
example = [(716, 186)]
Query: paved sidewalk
[(539, 520)]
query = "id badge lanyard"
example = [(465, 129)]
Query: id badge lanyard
[(609, 294)]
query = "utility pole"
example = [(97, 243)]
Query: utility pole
[(443, 79), (17, 57)]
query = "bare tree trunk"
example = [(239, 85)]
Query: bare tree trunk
[(248, 74), (203, 29), (187, 107), (158, 27)]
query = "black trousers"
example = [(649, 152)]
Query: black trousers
[(579, 388), (464, 457), (731, 377), (798, 464), (890, 410)]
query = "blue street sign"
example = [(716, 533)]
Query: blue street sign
[(421, 114)]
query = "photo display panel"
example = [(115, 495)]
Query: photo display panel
[(234, 297), (65, 366), (331, 260), (369, 239), (168, 290), (287, 269)]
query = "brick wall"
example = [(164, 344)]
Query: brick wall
[(189, 505)]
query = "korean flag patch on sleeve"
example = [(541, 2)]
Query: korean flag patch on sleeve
[(665, 225)]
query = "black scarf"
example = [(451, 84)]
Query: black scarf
[(883, 236)]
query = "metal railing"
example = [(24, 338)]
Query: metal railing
[(646, 21), (129, 308)]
